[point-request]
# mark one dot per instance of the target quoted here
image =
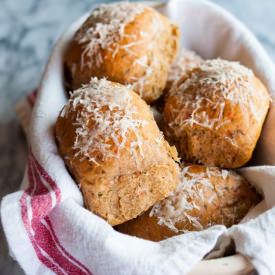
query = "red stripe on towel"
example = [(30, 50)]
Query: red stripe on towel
[(36, 203), (31, 97)]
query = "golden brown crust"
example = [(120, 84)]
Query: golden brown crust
[(112, 145), (140, 57), (206, 196), (214, 114)]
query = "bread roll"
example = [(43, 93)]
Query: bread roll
[(112, 146), (184, 62), (214, 114), (206, 196), (127, 43)]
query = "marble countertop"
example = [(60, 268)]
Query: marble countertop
[(28, 30)]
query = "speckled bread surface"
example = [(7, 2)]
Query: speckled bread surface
[(215, 113), (127, 43), (111, 144), (206, 196)]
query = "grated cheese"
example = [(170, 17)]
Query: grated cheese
[(177, 207), (216, 82), (106, 28), (104, 119)]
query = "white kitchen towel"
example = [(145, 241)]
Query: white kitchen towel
[(50, 232)]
